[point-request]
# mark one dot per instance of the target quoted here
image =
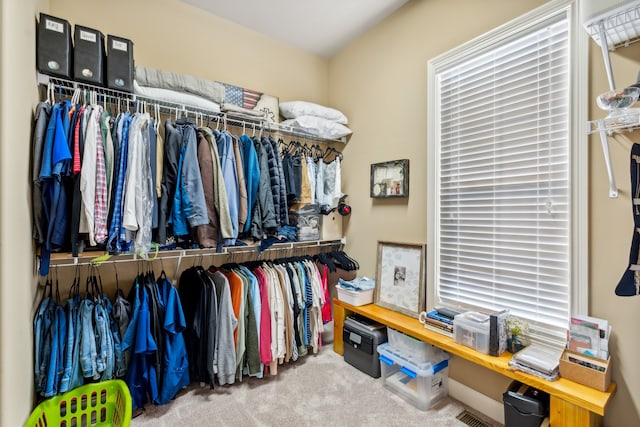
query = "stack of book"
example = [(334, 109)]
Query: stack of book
[(539, 360), (440, 320)]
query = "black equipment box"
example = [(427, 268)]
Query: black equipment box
[(54, 46), (361, 337), (524, 406), (89, 58), (120, 65)]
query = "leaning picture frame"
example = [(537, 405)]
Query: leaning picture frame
[(400, 277)]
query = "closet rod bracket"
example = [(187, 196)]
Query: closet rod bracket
[(604, 140)]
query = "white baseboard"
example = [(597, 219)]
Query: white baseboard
[(476, 400)]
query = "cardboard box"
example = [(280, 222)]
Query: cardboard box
[(586, 370)]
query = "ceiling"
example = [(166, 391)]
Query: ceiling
[(320, 27)]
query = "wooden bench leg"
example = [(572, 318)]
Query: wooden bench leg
[(339, 315), (565, 414)]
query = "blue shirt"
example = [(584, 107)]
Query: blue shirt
[(114, 243), (176, 363), (251, 175)]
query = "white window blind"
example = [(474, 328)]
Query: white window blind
[(503, 203)]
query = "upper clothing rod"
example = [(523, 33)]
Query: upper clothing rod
[(89, 258), (171, 108)]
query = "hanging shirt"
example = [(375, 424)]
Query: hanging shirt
[(251, 175), (254, 366), (189, 205), (225, 366), (176, 366), (88, 177), (54, 196), (115, 243), (101, 204), (138, 204), (242, 187), (230, 176), (42, 116)]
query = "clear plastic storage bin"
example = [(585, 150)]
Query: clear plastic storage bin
[(420, 351), (472, 329), (420, 383)]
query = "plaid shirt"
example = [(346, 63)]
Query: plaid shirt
[(115, 244), (101, 208)]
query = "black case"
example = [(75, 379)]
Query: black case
[(361, 337), (54, 47), (524, 406), (89, 58), (120, 65)]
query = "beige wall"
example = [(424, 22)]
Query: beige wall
[(172, 35), (610, 232), (380, 81), (19, 94)]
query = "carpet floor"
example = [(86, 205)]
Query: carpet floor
[(317, 390)]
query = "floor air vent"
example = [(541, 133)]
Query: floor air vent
[(471, 420)]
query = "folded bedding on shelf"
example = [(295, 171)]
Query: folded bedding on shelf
[(317, 126), (176, 97), (231, 108), (295, 109), (151, 77)]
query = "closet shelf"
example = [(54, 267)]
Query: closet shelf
[(613, 28), (233, 119), (627, 121), (621, 26), (277, 249)]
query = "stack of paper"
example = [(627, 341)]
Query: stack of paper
[(538, 360), (589, 335)]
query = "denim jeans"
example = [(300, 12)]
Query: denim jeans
[(56, 361), (71, 309), (76, 379), (88, 351), (101, 337), (118, 366), (42, 344)]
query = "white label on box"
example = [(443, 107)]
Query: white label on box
[(90, 37), (54, 26), (119, 45)]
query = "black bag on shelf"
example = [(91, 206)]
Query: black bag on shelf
[(54, 46), (120, 63), (89, 59)]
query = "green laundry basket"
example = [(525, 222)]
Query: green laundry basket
[(106, 403)]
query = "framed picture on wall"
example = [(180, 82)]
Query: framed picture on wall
[(400, 277), (390, 179)]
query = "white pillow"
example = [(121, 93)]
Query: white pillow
[(175, 97), (295, 109), (318, 126)]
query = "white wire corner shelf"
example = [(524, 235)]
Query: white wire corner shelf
[(612, 29)]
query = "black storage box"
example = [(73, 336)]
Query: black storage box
[(120, 63), (89, 58), (524, 406), (361, 337), (54, 46)]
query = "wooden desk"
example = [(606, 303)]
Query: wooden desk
[(571, 404)]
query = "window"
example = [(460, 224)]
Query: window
[(503, 205)]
